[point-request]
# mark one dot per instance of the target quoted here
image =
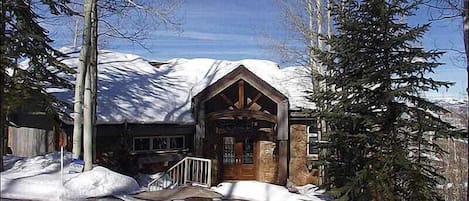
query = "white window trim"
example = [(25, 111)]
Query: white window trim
[(308, 135), (151, 138)]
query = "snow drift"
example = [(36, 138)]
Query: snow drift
[(38, 178)]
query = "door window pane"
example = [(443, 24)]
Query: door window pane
[(248, 151), (313, 145), (228, 150), (313, 139)]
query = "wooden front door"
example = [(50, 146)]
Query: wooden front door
[(239, 158)]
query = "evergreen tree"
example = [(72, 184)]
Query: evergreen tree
[(24, 39), (381, 130)]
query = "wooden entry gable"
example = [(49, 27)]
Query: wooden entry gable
[(241, 100), (241, 94), (242, 73)]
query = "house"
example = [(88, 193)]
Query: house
[(245, 116)]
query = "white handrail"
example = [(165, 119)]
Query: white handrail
[(197, 171)]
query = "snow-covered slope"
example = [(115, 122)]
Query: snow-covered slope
[(131, 90), (38, 178)]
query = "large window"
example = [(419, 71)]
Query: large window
[(159, 143), (313, 140)]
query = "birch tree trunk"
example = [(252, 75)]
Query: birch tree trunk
[(466, 36), (90, 94), (75, 33), (80, 81), (94, 72), (87, 122)]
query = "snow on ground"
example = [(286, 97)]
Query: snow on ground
[(38, 178), (259, 191)]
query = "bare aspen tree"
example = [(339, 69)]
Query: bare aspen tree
[(94, 74), (312, 36), (84, 132), (466, 36), (310, 21), (80, 81), (87, 122), (90, 95), (75, 33)]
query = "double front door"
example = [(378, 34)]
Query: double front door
[(239, 158)]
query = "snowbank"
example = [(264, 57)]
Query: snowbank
[(259, 191), (38, 178)]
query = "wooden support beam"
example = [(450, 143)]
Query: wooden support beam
[(282, 162), (227, 100), (250, 114), (254, 100), (241, 94)]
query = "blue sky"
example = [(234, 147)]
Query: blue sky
[(234, 30)]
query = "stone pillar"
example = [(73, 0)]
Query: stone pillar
[(299, 160), (267, 166)]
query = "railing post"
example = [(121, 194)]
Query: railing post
[(209, 175), (189, 169), (186, 169)]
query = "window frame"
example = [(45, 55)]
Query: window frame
[(317, 135), (166, 137)]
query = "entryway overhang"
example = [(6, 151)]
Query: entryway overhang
[(240, 77)]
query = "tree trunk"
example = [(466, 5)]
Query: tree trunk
[(309, 10), (75, 33), (87, 122), (90, 94), (80, 82), (466, 36), (3, 63), (94, 71)]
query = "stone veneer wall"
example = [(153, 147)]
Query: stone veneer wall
[(267, 170), (298, 172)]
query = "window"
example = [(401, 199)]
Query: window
[(228, 150), (248, 151), (176, 142), (313, 140), (141, 144), (158, 143)]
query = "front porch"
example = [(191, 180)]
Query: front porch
[(242, 126)]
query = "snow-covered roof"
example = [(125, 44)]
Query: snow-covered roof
[(132, 90)]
